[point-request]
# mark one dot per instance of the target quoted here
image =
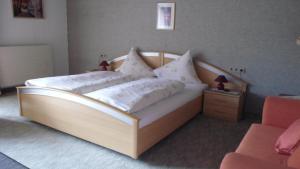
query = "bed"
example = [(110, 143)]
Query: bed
[(82, 83), (110, 127)]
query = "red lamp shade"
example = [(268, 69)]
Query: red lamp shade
[(104, 64), (221, 79)]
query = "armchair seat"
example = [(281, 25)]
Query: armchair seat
[(259, 143)]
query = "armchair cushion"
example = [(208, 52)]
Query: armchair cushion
[(239, 161), (289, 140), (280, 112)]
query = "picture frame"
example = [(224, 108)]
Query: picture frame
[(28, 9), (165, 16)]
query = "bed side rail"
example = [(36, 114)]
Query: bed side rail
[(81, 116)]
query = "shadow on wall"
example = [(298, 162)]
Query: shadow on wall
[(199, 56), (253, 103)]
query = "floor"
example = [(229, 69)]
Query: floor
[(8, 163), (202, 143)]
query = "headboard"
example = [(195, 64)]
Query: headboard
[(207, 73)]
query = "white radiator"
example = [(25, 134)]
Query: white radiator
[(20, 63)]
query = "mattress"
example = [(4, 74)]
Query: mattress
[(168, 105), (136, 95), (82, 83)]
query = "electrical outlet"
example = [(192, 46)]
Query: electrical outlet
[(238, 69), (243, 70)]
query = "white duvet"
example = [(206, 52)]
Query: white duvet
[(137, 95), (82, 83)]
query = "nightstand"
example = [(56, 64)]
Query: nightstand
[(223, 105)]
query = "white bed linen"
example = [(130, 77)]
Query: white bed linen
[(165, 106), (82, 83), (137, 95)]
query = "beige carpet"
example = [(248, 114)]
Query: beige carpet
[(201, 143)]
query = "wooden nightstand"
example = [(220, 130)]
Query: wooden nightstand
[(223, 105)]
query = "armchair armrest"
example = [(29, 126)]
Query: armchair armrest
[(280, 112), (238, 161)]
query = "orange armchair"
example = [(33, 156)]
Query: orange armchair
[(256, 150)]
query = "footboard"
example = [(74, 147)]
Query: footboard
[(82, 117)]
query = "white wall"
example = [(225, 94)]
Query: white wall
[(52, 30)]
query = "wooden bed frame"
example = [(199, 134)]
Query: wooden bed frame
[(102, 124)]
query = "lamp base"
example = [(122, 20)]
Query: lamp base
[(220, 86), (103, 68)]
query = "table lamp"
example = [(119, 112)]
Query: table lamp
[(221, 79), (104, 65)]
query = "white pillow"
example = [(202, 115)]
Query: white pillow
[(181, 69), (134, 65)]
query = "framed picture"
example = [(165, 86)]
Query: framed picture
[(165, 16), (28, 8)]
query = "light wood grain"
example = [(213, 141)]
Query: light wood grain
[(167, 60), (81, 121), (224, 106), (115, 65), (153, 62), (154, 132), (207, 76)]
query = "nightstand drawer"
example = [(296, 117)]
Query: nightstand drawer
[(209, 108), (221, 100), (228, 114), (222, 105)]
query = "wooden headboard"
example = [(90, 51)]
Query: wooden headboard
[(207, 73)]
